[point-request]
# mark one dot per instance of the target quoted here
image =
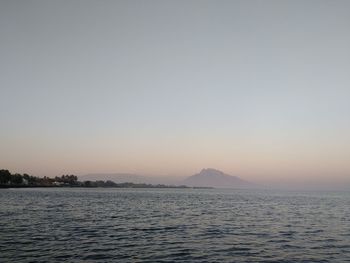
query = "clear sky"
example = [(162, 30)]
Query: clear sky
[(258, 89)]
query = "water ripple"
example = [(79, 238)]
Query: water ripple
[(167, 225)]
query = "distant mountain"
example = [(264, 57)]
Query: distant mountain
[(206, 178), (215, 178), (128, 178)]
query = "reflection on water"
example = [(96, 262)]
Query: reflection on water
[(148, 225)]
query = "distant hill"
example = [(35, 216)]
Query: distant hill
[(116, 177), (215, 178), (127, 178), (206, 178)]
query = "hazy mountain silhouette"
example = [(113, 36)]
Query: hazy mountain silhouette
[(206, 178), (130, 178), (215, 178)]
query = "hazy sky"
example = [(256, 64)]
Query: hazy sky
[(259, 89)]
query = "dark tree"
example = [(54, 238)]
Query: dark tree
[(26, 177), (5, 176), (16, 179)]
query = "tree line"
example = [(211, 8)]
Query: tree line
[(9, 179), (25, 180)]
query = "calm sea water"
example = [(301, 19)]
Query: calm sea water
[(166, 225)]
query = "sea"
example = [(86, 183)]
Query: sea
[(173, 225)]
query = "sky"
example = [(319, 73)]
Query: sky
[(257, 89)]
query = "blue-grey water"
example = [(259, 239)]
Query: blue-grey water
[(167, 225)]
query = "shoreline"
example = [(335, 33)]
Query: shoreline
[(108, 187)]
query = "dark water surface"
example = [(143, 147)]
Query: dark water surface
[(166, 225)]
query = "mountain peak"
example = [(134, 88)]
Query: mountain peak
[(210, 177), (210, 171)]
